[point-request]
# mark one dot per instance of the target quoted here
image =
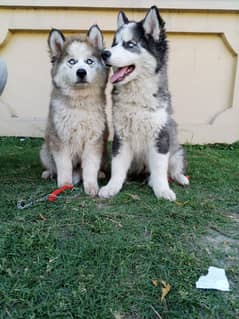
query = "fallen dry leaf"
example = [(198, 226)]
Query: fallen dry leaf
[(166, 287), (154, 282), (182, 203), (42, 217)]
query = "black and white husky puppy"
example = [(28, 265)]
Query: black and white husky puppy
[(145, 135)]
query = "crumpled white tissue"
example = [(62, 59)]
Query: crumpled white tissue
[(215, 279)]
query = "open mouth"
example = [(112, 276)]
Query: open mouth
[(121, 73)]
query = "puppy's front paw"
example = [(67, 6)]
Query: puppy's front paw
[(46, 175), (108, 191), (181, 180), (91, 189), (165, 193)]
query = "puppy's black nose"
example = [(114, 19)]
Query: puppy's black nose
[(105, 54), (81, 73)]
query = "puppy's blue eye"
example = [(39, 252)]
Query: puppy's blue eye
[(89, 61), (131, 44), (72, 61)]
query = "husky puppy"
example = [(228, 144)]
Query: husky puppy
[(76, 133), (145, 135)]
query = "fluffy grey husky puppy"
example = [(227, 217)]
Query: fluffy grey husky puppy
[(76, 133), (145, 135)]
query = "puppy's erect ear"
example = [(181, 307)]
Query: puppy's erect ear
[(56, 41), (153, 23), (122, 19), (95, 37)]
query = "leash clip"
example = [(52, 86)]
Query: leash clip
[(22, 204)]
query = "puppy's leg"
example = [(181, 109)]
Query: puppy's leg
[(158, 165), (120, 166), (47, 162), (177, 167), (63, 166), (91, 159)]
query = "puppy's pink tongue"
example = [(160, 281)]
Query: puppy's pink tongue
[(119, 74)]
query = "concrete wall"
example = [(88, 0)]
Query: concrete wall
[(203, 63)]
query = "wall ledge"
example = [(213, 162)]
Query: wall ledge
[(201, 5)]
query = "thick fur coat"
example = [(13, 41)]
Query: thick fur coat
[(145, 135), (76, 133)]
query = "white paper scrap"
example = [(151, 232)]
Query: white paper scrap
[(215, 279)]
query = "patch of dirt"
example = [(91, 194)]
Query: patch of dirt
[(219, 241), (223, 249)]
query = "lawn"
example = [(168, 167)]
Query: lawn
[(92, 258)]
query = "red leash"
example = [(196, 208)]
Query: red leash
[(22, 204), (53, 196)]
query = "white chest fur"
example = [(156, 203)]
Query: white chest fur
[(78, 124), (137, 113), (139, 125)]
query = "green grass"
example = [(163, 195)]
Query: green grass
[(91, 258)]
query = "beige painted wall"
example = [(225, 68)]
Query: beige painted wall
[(203, 63)]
